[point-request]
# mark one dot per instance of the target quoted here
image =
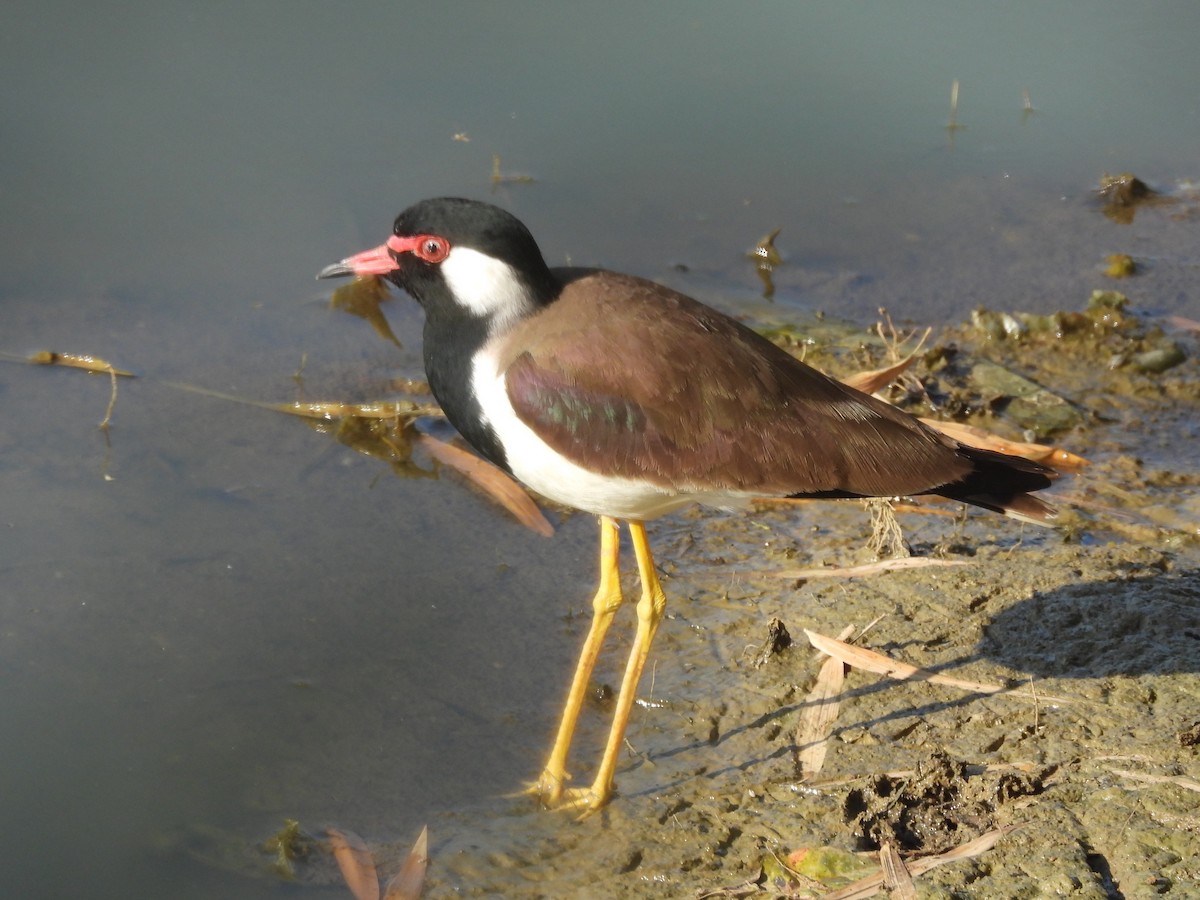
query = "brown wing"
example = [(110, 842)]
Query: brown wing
[(637, 380)]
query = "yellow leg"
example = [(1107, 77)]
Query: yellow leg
[(549, 788), (650, 611)]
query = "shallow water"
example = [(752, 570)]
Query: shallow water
[(217, 618)]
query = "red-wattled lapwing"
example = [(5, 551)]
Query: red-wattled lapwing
[(623, 398)]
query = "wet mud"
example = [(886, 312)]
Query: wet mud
[(1097, 768)]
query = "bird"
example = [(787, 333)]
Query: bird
[(619, 397)]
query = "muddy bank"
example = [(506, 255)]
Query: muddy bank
[(1090, 758), (1093, 768)]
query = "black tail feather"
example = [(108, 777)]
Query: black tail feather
[(1004, 484)]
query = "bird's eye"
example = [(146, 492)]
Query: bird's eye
[(432, 249)]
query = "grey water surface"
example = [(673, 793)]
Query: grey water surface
[(214, 618)]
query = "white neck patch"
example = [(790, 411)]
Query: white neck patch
[(486, 286)]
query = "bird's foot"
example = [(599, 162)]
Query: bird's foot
[(551, 793), (584, 801), (547, 790)]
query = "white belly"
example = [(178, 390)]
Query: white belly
[(545, 470)]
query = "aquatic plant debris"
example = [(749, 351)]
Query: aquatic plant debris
[(1120, 265), (287, 846), (362, 297), (88, 363), (766, 258), (1106, 331), (778, 639), (499, 177), (1122, 195), (953, 124), (84, 361), (386, 430)]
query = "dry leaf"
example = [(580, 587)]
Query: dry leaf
[(1179, 781), (985, 440), (812, 735), (969, 850), (356, 863), (410, 880), (1184, 323), (883, 565), (880, 664), (492, 480), (870, 886), (896, 877), (878, 379)]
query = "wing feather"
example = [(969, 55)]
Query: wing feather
[(724, 409)]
